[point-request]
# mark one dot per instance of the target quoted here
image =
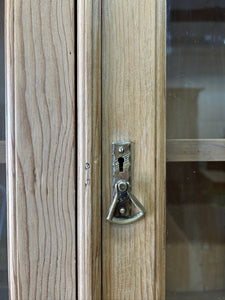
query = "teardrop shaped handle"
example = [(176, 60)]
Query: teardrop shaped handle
[(122, 188)]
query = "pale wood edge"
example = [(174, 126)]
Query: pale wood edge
[(195, 150), (10, 149), (89, 149), (2, 152), (160, 149)]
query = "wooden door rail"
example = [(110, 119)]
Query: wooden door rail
[(195, 150)]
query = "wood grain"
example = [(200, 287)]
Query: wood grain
[(128, 103), (40, 149), (195, 150), (10, 151), (2, 152), (89, 150), (160, 179)]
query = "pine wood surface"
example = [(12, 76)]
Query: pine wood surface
[(10, 145), (128, 103), (160, 179), (41, 149), (89, 150)]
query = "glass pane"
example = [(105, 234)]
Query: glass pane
[(195, 252), (3, 221), (195, 69)]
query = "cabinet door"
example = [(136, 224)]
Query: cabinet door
[(174, 117), (121, 98)]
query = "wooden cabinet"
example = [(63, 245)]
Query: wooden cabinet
[(149, 72)]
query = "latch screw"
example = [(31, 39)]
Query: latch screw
[(122, 186), (121, 149), (122, 210)]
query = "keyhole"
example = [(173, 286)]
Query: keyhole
[(121, 161)]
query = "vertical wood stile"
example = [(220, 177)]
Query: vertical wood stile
[(128, 101), (41, 149), (10, 146), (89, 150), (160, 148)]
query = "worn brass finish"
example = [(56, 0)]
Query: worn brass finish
[(124, 220), (122, 208)]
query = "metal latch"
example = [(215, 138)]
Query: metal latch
[(125, 208)]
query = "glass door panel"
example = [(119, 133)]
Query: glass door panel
[(3, 220), (195, 252)]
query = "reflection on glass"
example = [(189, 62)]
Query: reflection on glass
[(3, 221), (195, 252), (195, 69)]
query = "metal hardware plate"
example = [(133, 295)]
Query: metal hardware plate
[(121, 167), (121, 161), (125, 208)]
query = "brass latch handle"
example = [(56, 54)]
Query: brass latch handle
[(118, 211)]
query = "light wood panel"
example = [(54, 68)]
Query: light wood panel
[(40, 149), (2, 152), (160, 148), (10, 145), (89, 149), (195, 150), (128, 101)]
